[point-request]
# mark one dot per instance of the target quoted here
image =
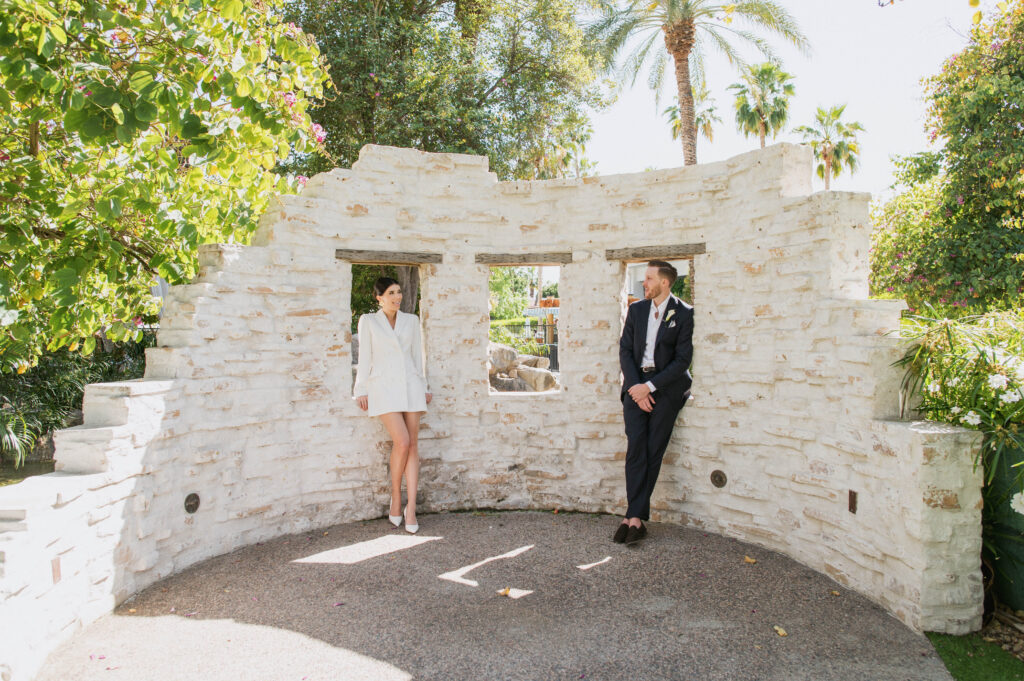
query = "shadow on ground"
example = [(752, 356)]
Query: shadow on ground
[(680, 605)]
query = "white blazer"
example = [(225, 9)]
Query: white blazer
[(390, 371)]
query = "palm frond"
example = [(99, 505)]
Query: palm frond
[(725, 47), (774, 17), (657, 74), (634, 63), (759, 43)]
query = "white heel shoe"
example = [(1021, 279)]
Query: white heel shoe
[(411, 529), (395, 520)]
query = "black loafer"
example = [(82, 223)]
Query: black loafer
[(620, 534), (635, 534)]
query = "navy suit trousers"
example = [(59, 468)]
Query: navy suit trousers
[(647, 434)]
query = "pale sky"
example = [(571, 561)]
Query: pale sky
[(870, 58)]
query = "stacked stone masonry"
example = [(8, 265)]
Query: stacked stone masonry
[(247, 399)]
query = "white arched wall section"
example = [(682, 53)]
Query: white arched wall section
[(247, 401)]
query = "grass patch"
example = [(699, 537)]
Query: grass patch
[(972, 658)]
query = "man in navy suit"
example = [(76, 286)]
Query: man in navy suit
[(655, 353)]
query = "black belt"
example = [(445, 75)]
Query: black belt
[(649, 370)]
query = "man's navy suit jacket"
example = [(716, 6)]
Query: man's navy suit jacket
[(673, 350)]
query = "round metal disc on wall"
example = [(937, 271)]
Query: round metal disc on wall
[(718, 478), (192, 503)]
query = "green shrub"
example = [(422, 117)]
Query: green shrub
[(970, 372), (953, 237), (524, 346), (42, 399)]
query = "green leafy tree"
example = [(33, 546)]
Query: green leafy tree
[(905, 224), (961, 248), (129, 134), (833, 141), (510, 80), (705, 116), (563, 152), (689, 28), (45, 397), (509, 291), (762, 100)]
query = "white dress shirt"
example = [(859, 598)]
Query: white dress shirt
[(654, 320)]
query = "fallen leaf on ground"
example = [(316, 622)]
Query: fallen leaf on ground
[(779, 630), (131, 609), (505, 592), (748, 559), (835, 593)]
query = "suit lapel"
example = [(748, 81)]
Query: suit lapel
[(641, 330), (388, 331), (662, 326)]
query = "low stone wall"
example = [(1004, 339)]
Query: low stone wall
[(246, 401)]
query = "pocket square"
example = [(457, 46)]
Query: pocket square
[(671, 325)]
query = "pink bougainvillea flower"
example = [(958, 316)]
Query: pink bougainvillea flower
[(318, 132), (302, 180)]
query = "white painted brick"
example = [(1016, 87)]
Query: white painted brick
[(793, 386)]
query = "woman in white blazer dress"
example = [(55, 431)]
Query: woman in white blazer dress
[(392, 385)]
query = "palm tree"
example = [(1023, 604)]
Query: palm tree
[(833, 141), (704, 117), (689, 28), (762, 100)]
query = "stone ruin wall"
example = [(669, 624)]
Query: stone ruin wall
[(247, 401)]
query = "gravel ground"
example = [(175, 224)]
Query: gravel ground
[(682, 604)]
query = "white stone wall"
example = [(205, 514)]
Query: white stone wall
[(247, 400)]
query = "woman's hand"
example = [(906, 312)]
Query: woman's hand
[(363, 402), (429, 396)]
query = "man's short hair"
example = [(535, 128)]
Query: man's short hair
[(665, 270)]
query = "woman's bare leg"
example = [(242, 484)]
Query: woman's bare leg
[(412, 466), (395, 425)]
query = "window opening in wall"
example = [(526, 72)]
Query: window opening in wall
[(681, 288), (523, 348), (364, 302)]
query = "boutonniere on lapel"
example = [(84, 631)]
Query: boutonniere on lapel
[(668, 317)]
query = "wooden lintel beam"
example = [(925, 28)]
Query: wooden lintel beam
[(512, 259), (387, 257), (670, 252)]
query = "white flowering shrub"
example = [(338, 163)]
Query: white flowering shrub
[(970, 372)]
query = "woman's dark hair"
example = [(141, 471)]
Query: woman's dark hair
[(382, 285)]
